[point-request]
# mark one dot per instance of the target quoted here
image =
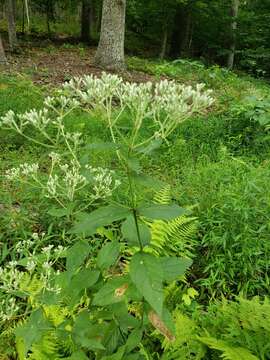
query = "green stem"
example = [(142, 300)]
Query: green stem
[(134, 211)]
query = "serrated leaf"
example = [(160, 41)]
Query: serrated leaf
[(153, 145), (76, 255), (86, 334), (117, 356), (134, 165), (174, 267), (147, 181), (101, 217), (161, 212), (32, 331), (85, 279), (129, 231), (108, 255), (112, 292), (134, 339), (58, 213), (147, 274)]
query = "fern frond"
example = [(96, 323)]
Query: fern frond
[(173, 238), (56, 314), (185, 346), (47, 348), (163, 196), (228, 352)]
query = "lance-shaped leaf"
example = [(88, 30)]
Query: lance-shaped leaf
[(161, 212), (100, 217), (147, 274), (174, 267), (130, 232), (108, 255)]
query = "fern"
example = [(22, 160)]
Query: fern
[(175, 237), (47, 348), (228, 352), (186, 346), (163, 196)]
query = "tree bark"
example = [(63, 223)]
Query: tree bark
[(86, 20), (164, 43), (10, 8), (182, 33), (234, 15), (3, 59), (110, 53)]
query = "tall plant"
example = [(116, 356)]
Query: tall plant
[(101, 308)]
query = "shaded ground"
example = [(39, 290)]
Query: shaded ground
[(54, 65)]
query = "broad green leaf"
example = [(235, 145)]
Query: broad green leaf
[(58, 213), (117, 356), (76, 255), (147, 274), (161, 212), (85, 279), (129, 232), (101, 217), (147, 181), (32, 331), (134, 164), (108, 255), (153, 145), (174, 267), (134, 339), (112, 292), (86, 334)]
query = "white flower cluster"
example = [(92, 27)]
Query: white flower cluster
[(68, 183), (104, 182), (48, 122), (167, 102), (62, 102), (10, 278), (23, 170), (65, 180), (8, 309), (92, 90)]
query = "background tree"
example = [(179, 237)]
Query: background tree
[(11, 17), (110, 52), (3, 58), (234, 23), (86, 17)]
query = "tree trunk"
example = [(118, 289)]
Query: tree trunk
[(86, 20), (234, 15), (13, 42), (164, 43), (3, 59), (110, 53), (182, 33)]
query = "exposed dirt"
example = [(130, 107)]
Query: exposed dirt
[(54, 65)]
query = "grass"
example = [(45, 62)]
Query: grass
[(217, 164), (207, 160)]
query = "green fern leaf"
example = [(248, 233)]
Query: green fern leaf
[(228, 352)]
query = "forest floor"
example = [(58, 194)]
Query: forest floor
[(52, 65)]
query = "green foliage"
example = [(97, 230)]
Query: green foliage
[(238, 329), (89, 300)]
